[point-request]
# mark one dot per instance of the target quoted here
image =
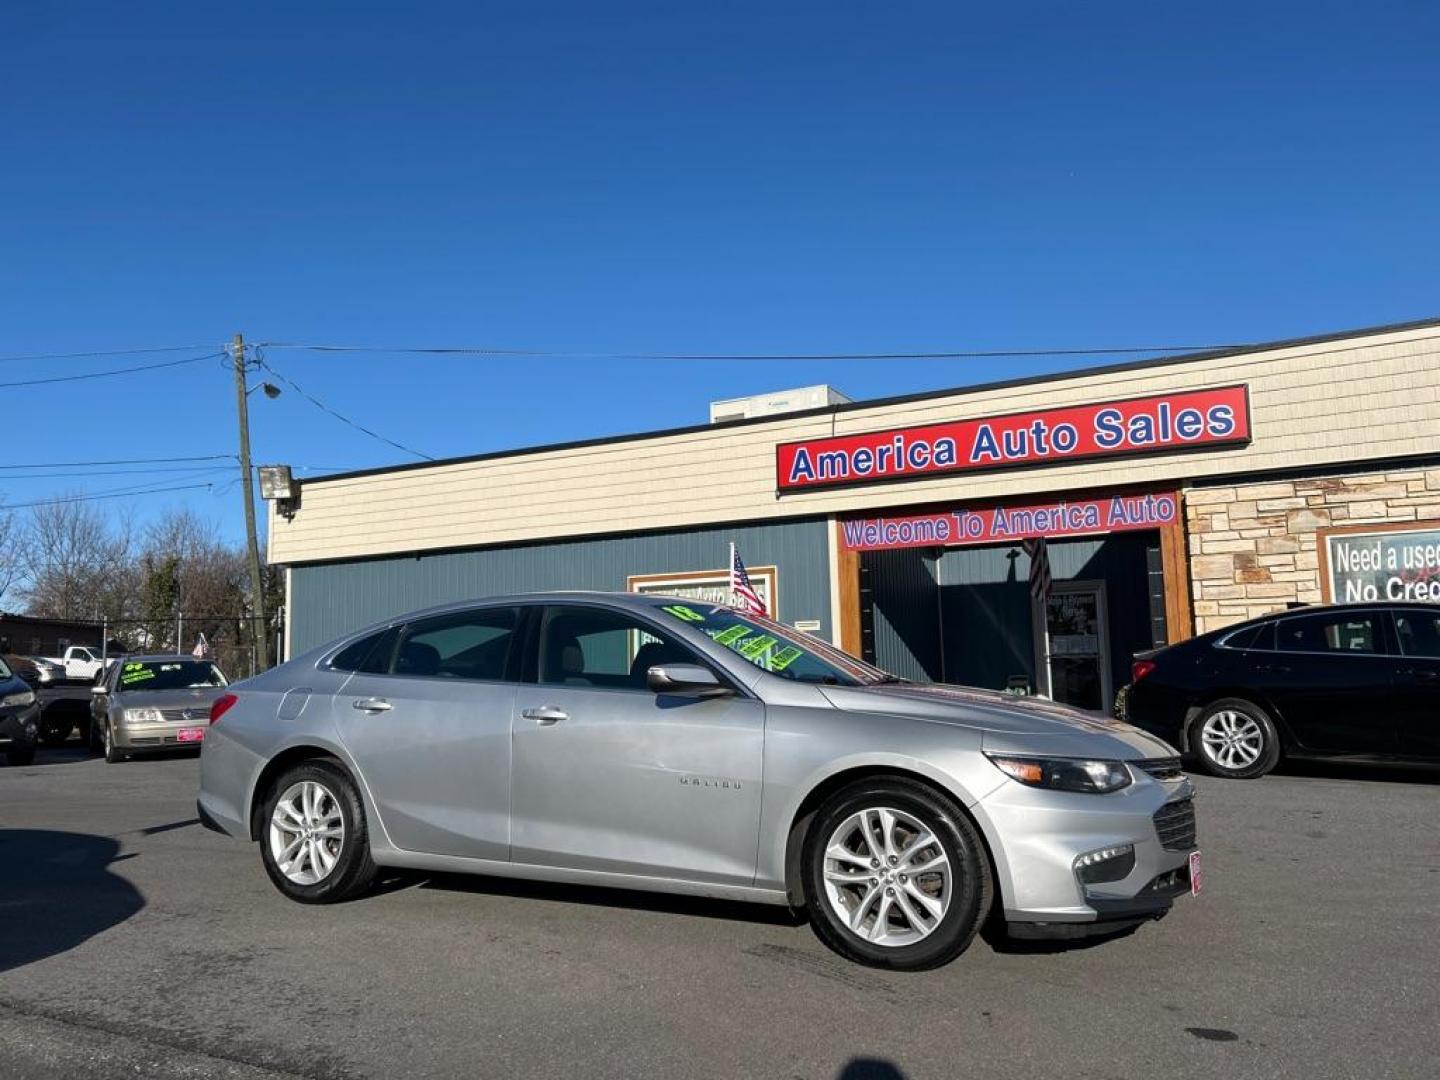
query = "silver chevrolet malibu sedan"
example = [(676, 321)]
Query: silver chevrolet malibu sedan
[(668, 744)]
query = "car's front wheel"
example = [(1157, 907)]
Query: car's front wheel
[(113, 754), (1234, 738), (21, 754), (313, 838), (895, 875)]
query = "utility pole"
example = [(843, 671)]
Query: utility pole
[(257, 588)]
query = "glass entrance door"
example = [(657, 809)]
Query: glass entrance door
[(1072, 646)]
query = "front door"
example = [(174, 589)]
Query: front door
[(1330, 677), (1073, 645), (430, 730), (610, 776)]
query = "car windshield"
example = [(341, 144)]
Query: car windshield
[(168, 674), (776, 648)]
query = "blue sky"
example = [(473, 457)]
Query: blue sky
[(673, 177)]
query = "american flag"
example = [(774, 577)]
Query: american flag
[(742, 593), (1039, 567)]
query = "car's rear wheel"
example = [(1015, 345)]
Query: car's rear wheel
[(313, 838), (1234, 738), (895, 875), (55, 731)]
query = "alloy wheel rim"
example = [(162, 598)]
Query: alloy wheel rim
[(887, 877), (1232, 740), (307, 831)]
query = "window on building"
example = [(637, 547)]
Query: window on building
[(471, 644), (1335, 632)]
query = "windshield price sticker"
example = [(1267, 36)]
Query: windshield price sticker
[(740, 639)]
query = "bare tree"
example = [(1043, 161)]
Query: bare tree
[(77, 563), (12, 559)]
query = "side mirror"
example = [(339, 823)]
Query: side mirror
[(689, 679), (97, 689)]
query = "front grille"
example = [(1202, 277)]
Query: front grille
[(177, 715), (1162, 768), (1175, 825)]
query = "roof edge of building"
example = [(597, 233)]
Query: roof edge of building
[(899, 399)]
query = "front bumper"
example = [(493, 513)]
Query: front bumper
[(19, 726), (1038, 835), (160, 736)]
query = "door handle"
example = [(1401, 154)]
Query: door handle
[(371, 705), (1423, 674), (546, 715), (1274, 669)]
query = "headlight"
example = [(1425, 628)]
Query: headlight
[(25, 697), (1064, 774), (143, 716)]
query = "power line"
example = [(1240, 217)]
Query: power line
[(259, 359), (105, 352), (112, 371), (66, 475), (984, 354), (151, 490), (119, 461)]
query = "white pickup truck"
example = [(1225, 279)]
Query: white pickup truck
[(80, 663)]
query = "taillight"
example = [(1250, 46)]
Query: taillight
[(221, 706), (1140, 668)]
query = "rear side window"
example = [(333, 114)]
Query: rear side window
[(370, 655), (1331, 632), (1419, 633), (463, 645)]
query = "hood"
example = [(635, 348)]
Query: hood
[(1007, 722), (199, 698)]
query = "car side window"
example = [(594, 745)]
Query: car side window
[(370, 655), (1419, 633), (462, 645), (1330, 632), (585, 646)]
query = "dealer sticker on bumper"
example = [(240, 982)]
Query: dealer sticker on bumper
[(1197, 878)]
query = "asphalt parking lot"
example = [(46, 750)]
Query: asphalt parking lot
[(134, 942)]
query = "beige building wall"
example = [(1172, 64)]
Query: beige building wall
[(1255, 547), (1356, 398)]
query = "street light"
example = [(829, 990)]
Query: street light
[(269, 388)]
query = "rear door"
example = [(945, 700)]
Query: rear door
[(610, 776), (427, 719), (1330, 679), (1417, 681)]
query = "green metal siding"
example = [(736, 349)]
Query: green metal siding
[(331, 599)]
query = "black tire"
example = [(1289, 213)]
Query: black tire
[(1214, 716), (113, 754), (21, 754), (354, 870), (55, 732), (971, 884)]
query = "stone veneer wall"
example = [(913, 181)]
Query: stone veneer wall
[(1253, 547)]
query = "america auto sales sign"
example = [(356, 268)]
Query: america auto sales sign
[(1163, 423)]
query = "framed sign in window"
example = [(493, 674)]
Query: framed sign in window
[(710, 586), (1369, 563)]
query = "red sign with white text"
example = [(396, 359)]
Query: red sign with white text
[(1149, 425), (997, 524)]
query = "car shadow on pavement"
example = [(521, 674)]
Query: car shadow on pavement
[(57, 891), (68, 754), (869, 1069), (600, 896), (1346, 770)]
